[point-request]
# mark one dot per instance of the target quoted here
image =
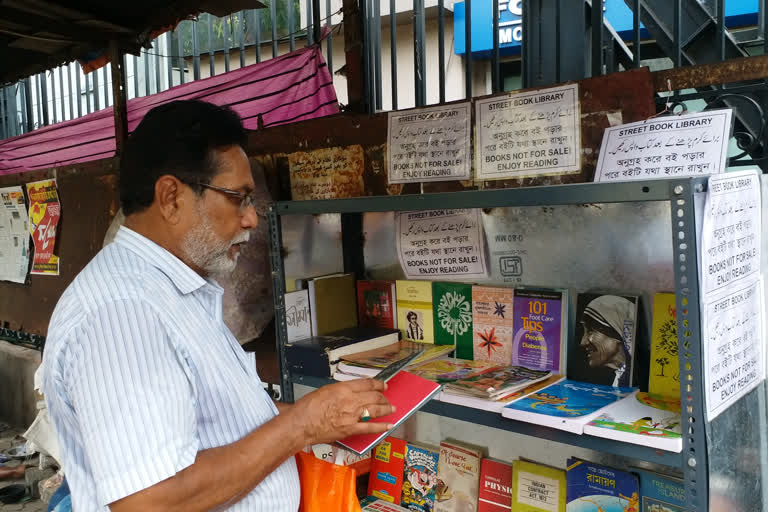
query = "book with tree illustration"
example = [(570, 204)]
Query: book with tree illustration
[(664, 378), (492, 324), (453, 317)]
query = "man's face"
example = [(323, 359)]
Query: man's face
[(600, 349), (222, 227)]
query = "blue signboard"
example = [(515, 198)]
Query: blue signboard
[(738, 13)]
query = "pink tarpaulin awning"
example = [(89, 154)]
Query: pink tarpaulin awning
[(294, 87)]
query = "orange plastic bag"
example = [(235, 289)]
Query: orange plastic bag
[(326, 487)]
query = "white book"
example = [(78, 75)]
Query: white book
[(297, 315), (641, 419)]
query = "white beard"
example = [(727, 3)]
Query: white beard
[(203, 248)]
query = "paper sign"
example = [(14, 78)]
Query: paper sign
[(44, 212), (667, 147), (441, 244), (532, 133), (731, 231), (329, 173), (732, 291), (14, 235), (431, 144), (538, 491)]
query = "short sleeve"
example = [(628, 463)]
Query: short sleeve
[(133, 400)]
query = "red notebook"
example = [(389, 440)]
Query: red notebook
[(408, 393)]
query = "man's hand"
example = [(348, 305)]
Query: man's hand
[(333, 412)]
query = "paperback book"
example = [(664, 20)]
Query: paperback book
[(567, 405), (414, 311), (420, 479), (449, 369), (492, 319), (664, 377), (458, 478), (537, 488), (537, 341), (376, 302), (660, 493), (634, 420), (496, 382), (603, 347), (297, 317), (369, 363), (453, 317), (332, 303), (495, 493), (593, 487), (386, 478)]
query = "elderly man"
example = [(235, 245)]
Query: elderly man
[(155, 404)]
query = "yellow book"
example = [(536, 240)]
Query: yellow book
[(537, 488), (664, 377), (414, 311)]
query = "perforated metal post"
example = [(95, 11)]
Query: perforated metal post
[(278, 292), (691, 359)]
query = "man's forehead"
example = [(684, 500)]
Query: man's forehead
[(233, 168)]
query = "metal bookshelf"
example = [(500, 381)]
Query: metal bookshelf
[(681, 195)]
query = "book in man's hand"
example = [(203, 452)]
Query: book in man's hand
[(408, 393)]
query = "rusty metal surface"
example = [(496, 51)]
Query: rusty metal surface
[(729, 71)]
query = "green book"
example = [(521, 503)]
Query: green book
[(452, 305)]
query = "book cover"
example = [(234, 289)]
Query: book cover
[(376, 302), (664, 377), (592, 487), (297, 317), (373, 504), (495, 494), (458, 478), (414, 310), (492, 319), (660, 493), (386, 479), (382, 357), (537, 341), (420, 479), (537, 488), (408, 393), (453, 317), (332, 303), (449, 370), (604, 340), (319, 355), (496, 382), (567, 405), (498, 404), (642, 419)]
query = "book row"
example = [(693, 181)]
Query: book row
[(457, 477)]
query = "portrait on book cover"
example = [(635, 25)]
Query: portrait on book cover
[(415, 329), (603, 344)]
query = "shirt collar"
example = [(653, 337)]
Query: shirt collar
[(182, 276)]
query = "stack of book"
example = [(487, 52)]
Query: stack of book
[(496, 383)]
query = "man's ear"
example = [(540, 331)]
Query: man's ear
[(171, 196)]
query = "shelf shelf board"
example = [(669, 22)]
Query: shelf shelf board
[(495, 420), (586, 193)]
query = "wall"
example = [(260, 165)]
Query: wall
[(18, 402)]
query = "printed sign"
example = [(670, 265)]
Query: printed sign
[(14, 235), (732, 291), (431, 144), (667, 147), (538, 491), (532, 133), (329, 173), (441, 244), (44, 212)]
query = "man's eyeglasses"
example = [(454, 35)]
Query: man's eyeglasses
[(246, 199)]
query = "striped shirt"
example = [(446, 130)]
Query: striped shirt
[(140, 373)]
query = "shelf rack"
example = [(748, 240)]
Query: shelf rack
[(679, 193)]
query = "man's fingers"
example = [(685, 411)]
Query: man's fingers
[(369, 428), (362, 385), (377, 411), (372, 398)]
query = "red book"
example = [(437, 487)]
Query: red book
[(376, 304), (495, 486), (408, 393), (386, 478)]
